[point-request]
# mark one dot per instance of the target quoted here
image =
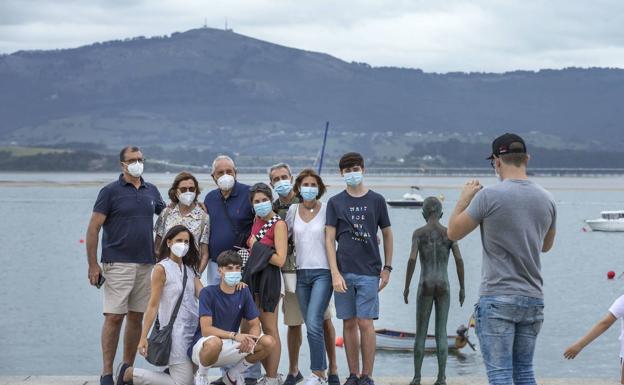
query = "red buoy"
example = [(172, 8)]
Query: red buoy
[(82, 241), (611, 274), (339, 341)]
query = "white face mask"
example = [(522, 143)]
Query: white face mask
[(179, 249), (135, 169), (187, 198), (225, 182)]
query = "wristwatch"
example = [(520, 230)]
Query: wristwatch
[(388, 268)]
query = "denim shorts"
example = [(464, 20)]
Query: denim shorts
[(361, 299)]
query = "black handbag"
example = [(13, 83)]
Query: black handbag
[(159, 341)]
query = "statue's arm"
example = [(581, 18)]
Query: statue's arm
[(459, 263), (411, 266)]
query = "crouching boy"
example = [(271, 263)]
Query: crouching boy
[(217, 342)]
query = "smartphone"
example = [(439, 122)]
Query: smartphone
[(100, 281)]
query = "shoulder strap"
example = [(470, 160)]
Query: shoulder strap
[(177, 306), (264, 229)]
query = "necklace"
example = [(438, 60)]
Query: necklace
[(309, 209)]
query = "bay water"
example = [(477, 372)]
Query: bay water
[(51, 318)]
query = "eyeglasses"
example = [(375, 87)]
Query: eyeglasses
[(186, 189), (259, 187)]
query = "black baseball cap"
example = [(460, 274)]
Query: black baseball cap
[(500, 145)]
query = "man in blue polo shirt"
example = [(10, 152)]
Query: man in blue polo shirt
[(125, 210), (230, 211)]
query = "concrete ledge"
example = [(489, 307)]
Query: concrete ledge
[(94, 380)]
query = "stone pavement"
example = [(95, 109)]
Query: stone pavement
[(93, 380)]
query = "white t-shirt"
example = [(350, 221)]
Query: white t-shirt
[(617, 309), (309, 238)]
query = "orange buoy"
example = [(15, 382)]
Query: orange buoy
[(611, 274), (339, 341)]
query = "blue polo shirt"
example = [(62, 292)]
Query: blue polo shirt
[(127, 234), (222, 235)]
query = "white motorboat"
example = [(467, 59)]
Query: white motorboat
[(609, 221), (411, 199)]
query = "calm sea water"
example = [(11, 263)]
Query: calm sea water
[(51, 318)]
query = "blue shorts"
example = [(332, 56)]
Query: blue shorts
[(361, 299)]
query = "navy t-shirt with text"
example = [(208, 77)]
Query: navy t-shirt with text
[(356, 221), (226, 310)]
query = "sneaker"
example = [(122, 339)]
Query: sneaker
[(218, 381), (292, 380), (315, 380), (107, 379), (352, 380), (264, 380), (366, 380), (333, 379), (201, 379), (121, 370), (235, 380)]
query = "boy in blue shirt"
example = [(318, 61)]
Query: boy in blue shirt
[(217, 342)]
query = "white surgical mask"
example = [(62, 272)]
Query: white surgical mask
[(179, 249), (187, 198), (225, 182), (135, 169)]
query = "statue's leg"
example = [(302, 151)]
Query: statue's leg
[(423, 313), (442, 303)]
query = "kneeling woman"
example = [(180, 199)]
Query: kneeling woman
[(178, 256), (269, 244)]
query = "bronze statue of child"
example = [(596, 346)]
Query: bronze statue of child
[(431, 242)]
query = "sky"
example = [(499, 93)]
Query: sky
[(433, 35)]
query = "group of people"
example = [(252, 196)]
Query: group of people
[(255, 252)]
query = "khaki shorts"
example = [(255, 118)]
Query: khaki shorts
[(127, 287), (292, 312)]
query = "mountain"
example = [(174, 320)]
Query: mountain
[(217, 90)]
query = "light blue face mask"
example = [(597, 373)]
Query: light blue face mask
[(309, 193), (353, 178), (232, 278), (283, 187), (263, 209)]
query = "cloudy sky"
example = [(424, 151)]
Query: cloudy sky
[(434, 35)]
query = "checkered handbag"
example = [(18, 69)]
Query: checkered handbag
[(244, 252)]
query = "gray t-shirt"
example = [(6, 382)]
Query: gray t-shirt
[(515, 216)]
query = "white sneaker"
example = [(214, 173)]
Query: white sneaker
[(233, 380), (201, 379), (315, 380), (264, 380)]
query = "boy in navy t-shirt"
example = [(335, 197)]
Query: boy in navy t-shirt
[(353, 218), (217, 343)]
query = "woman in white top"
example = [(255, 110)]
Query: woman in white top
[(306, 222), (185, 211), (177, 252)]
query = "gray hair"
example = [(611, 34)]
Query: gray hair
[(222, 157), (277, 166)]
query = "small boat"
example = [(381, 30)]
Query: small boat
[(404, 341), (609, 221), (411, 199)]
